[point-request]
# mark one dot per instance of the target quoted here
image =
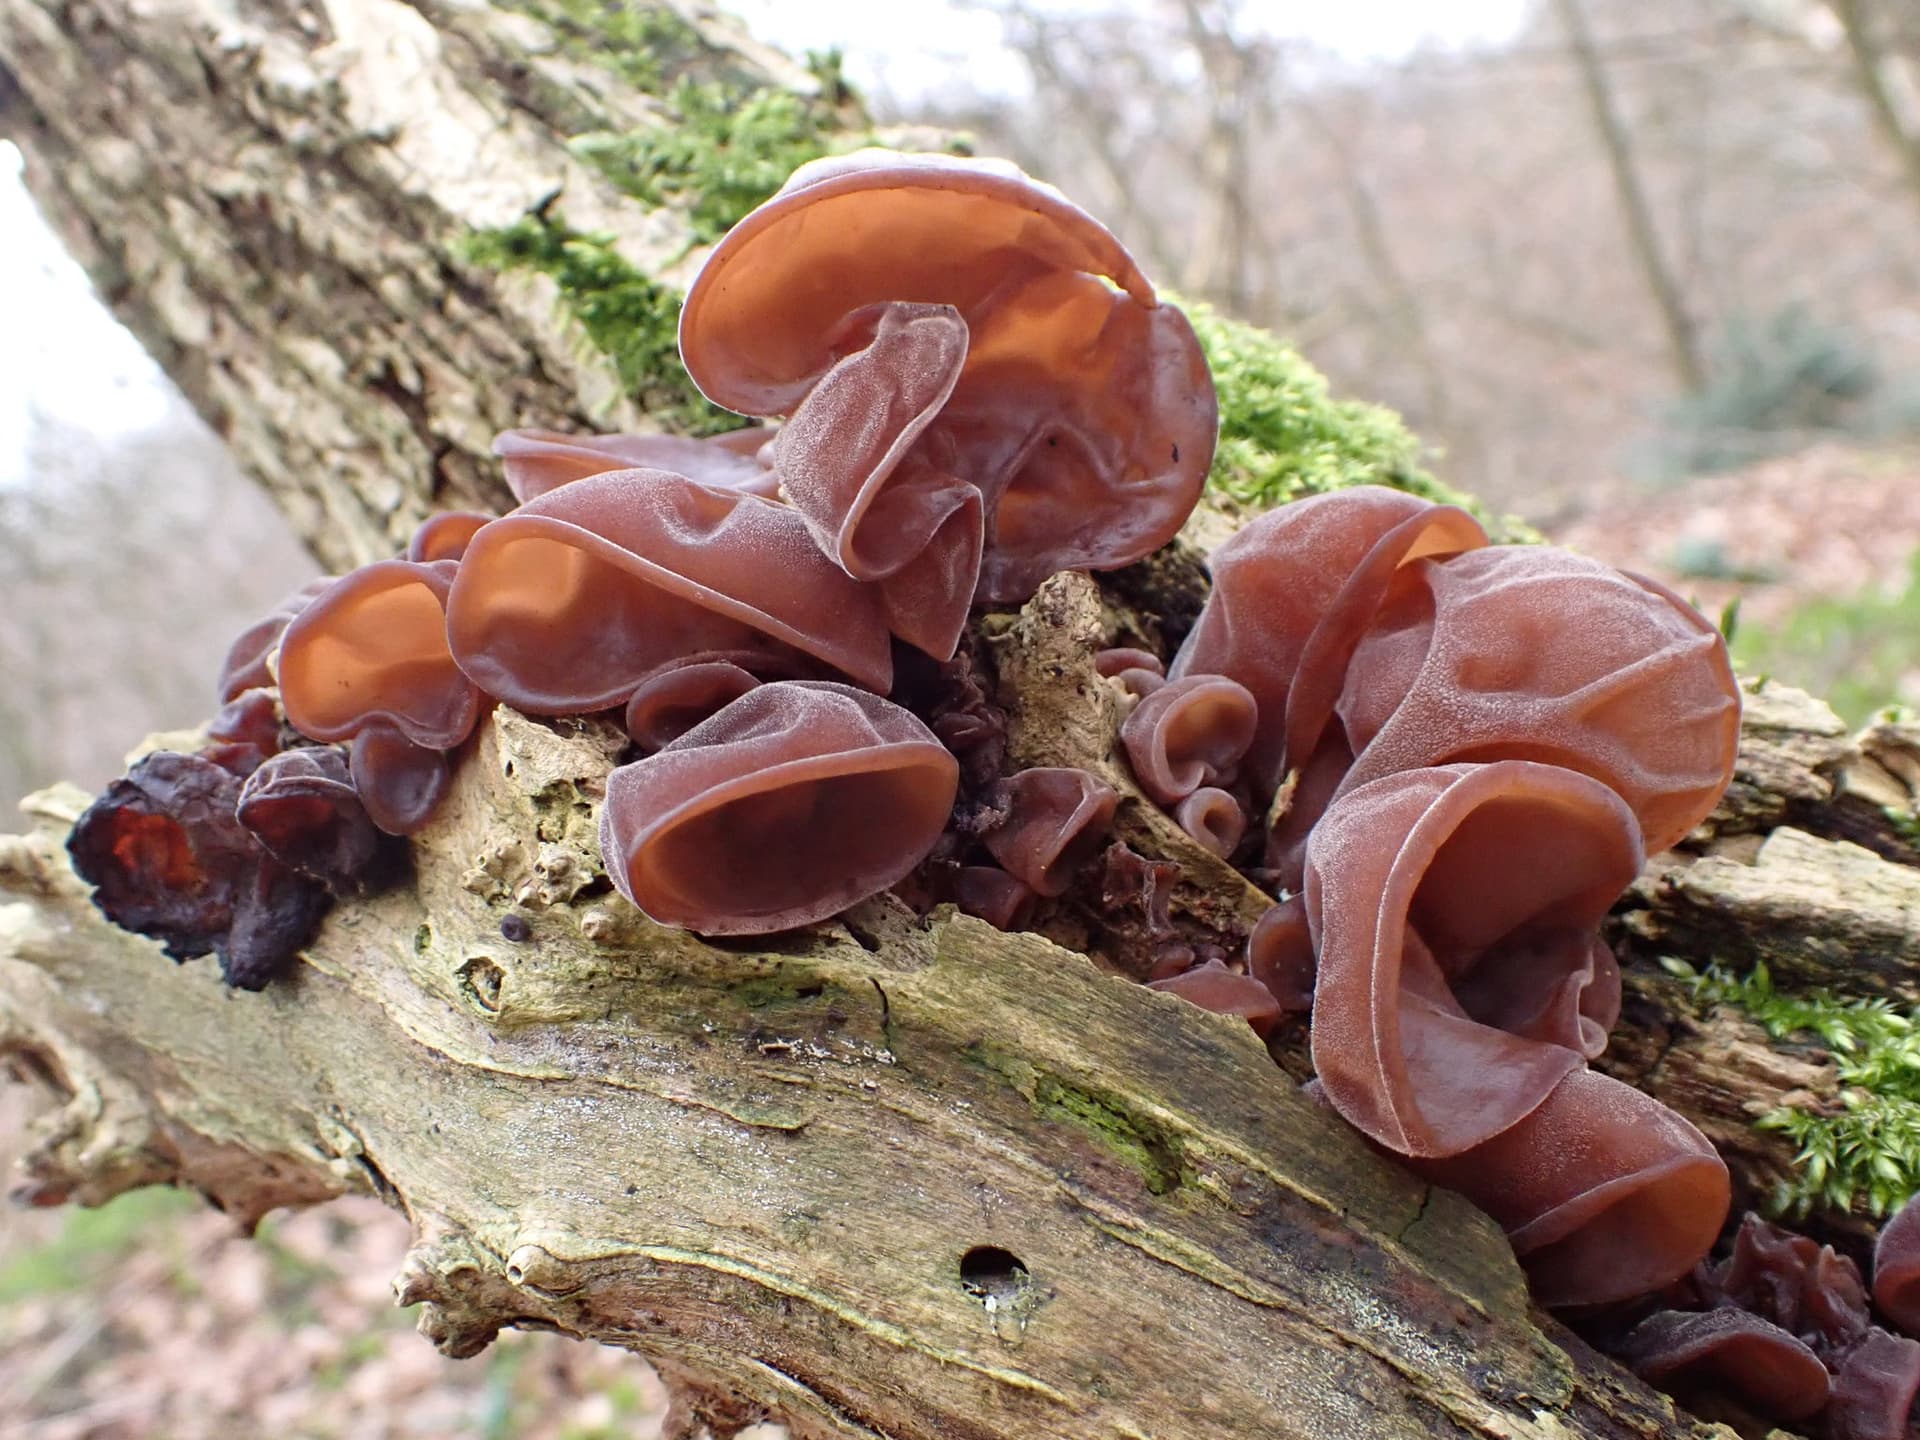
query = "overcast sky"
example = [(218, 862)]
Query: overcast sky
[(900, 49)]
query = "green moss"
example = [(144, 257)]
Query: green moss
[(1284, 436), (641, 43), (1867, 1156), (1137, 1140), (726, 151), (634, 320)]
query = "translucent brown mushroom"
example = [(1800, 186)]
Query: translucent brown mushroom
[(795, 801), (1292, 592), (1461, 977), (1765, 1365), (568, 603), (168, 858), (1056, 818), (245, 665), (1084, 414), (368, 662), (1533, 653), (303, 806), (1603, 1191)]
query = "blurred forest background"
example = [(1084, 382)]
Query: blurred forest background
[(1645, 271)]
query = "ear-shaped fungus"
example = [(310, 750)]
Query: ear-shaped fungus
[(1188, 733), (1292, 592), (1896, 1268), (882, 509), (794, 802), (567, 604), (1214, 987), (245, 667), (1873, 1389), (1140, 672), (302, 806), (1214, 819), (368, 661), (245, 732), (1280, 954), (1085, 414), (1056, 819), (1752, 1357), (1533, 653), (1461, 977), (537, 461), (168, 858), (675, 698), (1603, 1191), (992, 895)]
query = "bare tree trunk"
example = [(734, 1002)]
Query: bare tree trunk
[(1871, 70), (891, 1178), (1683, 342)]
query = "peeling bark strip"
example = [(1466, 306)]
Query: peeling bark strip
[(770, 1169), (274, 198)]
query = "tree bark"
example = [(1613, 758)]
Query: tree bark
[(892, 1177)]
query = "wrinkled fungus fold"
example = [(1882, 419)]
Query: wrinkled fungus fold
[(797, 800), (567, 604), (303, 807), (1056, 818), (536, 461), (1292, 592), (1533, 653), (1751, 1356), (1084, 413), (1461, 977), (1604, 1192)]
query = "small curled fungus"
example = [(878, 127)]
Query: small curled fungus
[(445, 536), (673, 700), (1214, 819), (1056, 818), (245, 732), (245, 666), (401, 783), (991, 894), (1471, 660), (1189, 733), (302, 806), (1603, 1191), (1292, 592), (1896, 1268), (795, 801), (1140, 672), (1801, 1286), (1753, 1357), (537, 461), (1461, 976), (1873, 1389), (1214, 987), (567, 604), (1280, 954)]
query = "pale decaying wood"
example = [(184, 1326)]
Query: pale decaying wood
[(762, 1165)]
